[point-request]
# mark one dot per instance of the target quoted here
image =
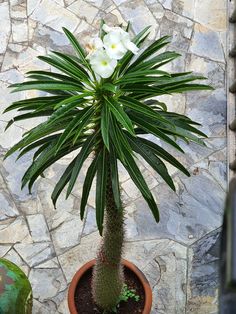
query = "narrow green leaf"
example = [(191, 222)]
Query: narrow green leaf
[(77, 124), (141, 108), (54, 75), (85, 120), (155, 62), (83, 154), (120, 115), (59, 64), (188, 87), (152, 160), (105, 122), (47, 101), (138, 40), (64, 179), (153, 48), (154, 130), (29, 115), (46, 86), (115, 178), (101, 185), (139, 181), (32, 146), (162, 153), (87, 185), (75, 43)]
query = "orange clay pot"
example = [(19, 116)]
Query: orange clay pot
[(129, 265)]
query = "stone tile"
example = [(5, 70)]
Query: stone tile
[(63, 304), (184, 7), (90, 225), (139, 15), (165, 265), (52, 278), (43, 307), (44, 191), (7, 206), (214, 71), (84, 32), (18, 12), (175, 103), (11, 76), (211, 13), (19, 31), (32, 5), (209, 109), (157, 10), (4, 249), (4, 26), (23, 61), (34, 253), (203, 275), (14, 257), (9, 137), (218, 169), (200, 43), (83, 10), (179, 28), (66, 230), (76, 257), (51, 38), (118, 2), (167, 4), (27, 203), (52, 263), (60, 18), (120, 18), (38, 228), (69, 2), (186, 215), (14, 231)]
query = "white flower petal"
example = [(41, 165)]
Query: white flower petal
[(103, 71), (102, 64), (114, 46), (132, 47), (106, 28)]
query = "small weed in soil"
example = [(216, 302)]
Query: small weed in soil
[(125, 296)]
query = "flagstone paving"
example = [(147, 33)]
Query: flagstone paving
[(180, 254)]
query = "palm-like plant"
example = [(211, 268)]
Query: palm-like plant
[(105, 119)]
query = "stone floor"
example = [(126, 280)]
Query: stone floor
[(180, 254)]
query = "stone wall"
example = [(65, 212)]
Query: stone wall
[(180, 254)]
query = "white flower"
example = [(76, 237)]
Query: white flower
[(95, 44), (124, 37), (129, 45), (102, 64), (114, 46)]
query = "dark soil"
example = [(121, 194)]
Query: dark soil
[(84, 302)]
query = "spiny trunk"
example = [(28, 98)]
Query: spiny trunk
[(108, 272)]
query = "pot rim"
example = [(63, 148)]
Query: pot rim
[(131, 266)]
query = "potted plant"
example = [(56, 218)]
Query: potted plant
[(102, 104)]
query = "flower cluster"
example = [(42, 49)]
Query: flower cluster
[(105, 52)]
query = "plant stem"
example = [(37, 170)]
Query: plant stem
[(108, 272)]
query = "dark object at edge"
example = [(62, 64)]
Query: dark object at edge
[(227, 293)]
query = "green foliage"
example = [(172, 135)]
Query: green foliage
[(125, 296), (106, 119)]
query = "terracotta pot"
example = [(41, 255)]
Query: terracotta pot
[(132, 267)]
